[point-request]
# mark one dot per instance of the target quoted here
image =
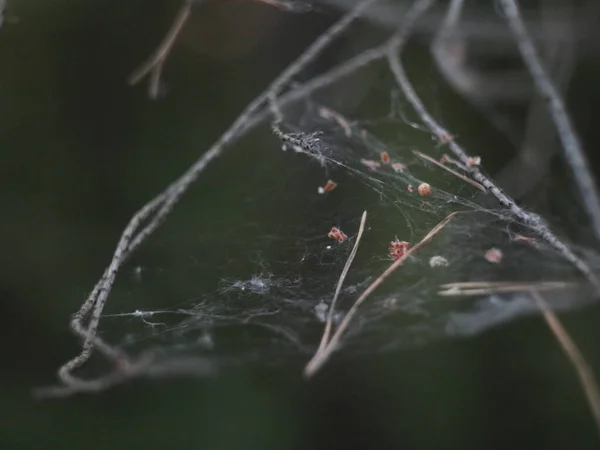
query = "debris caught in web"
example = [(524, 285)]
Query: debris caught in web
[(438, 261), (424, 189), (329, 186), (397, 249), (373, 165), (337, 234), (493, 255)]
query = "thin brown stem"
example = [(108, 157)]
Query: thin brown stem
[(476, 288), (156, 61), (448, 169), (328, 325), (322, 356), (584, 371)]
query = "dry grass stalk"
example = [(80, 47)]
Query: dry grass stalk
[(323, 355), (448, 169), (578, 361), (472, 288)]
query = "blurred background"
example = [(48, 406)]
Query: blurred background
[(83, 150)]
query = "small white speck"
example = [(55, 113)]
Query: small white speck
[(438, 261), (321, 311)]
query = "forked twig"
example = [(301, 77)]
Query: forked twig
[(578, 361), (322, 356), (328, 324), (573, 150), (155, 63), (453, 172)]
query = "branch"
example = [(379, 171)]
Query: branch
[(573, 150), (531, 220)]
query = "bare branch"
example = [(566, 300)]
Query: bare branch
[(573, 150)]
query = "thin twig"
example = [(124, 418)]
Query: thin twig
[(453, 172), (146, 366), (584, 371), (328, 325), (529, 219), (573, 150), (321, 357), (156, 61), (476, 288)]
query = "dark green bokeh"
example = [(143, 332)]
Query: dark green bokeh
[(83, 151)]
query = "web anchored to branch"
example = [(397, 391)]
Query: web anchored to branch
[(426, 196)]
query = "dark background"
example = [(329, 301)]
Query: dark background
[(82, 151)]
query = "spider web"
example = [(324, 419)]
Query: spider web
[(244, 269), (256, 280)]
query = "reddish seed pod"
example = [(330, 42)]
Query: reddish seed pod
[(424, 189), (385, 157), (337, 234), (330, 186)]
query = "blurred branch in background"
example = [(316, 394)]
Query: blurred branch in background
[(571, 143), (2, 12), (155, 63), (538, 148)]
